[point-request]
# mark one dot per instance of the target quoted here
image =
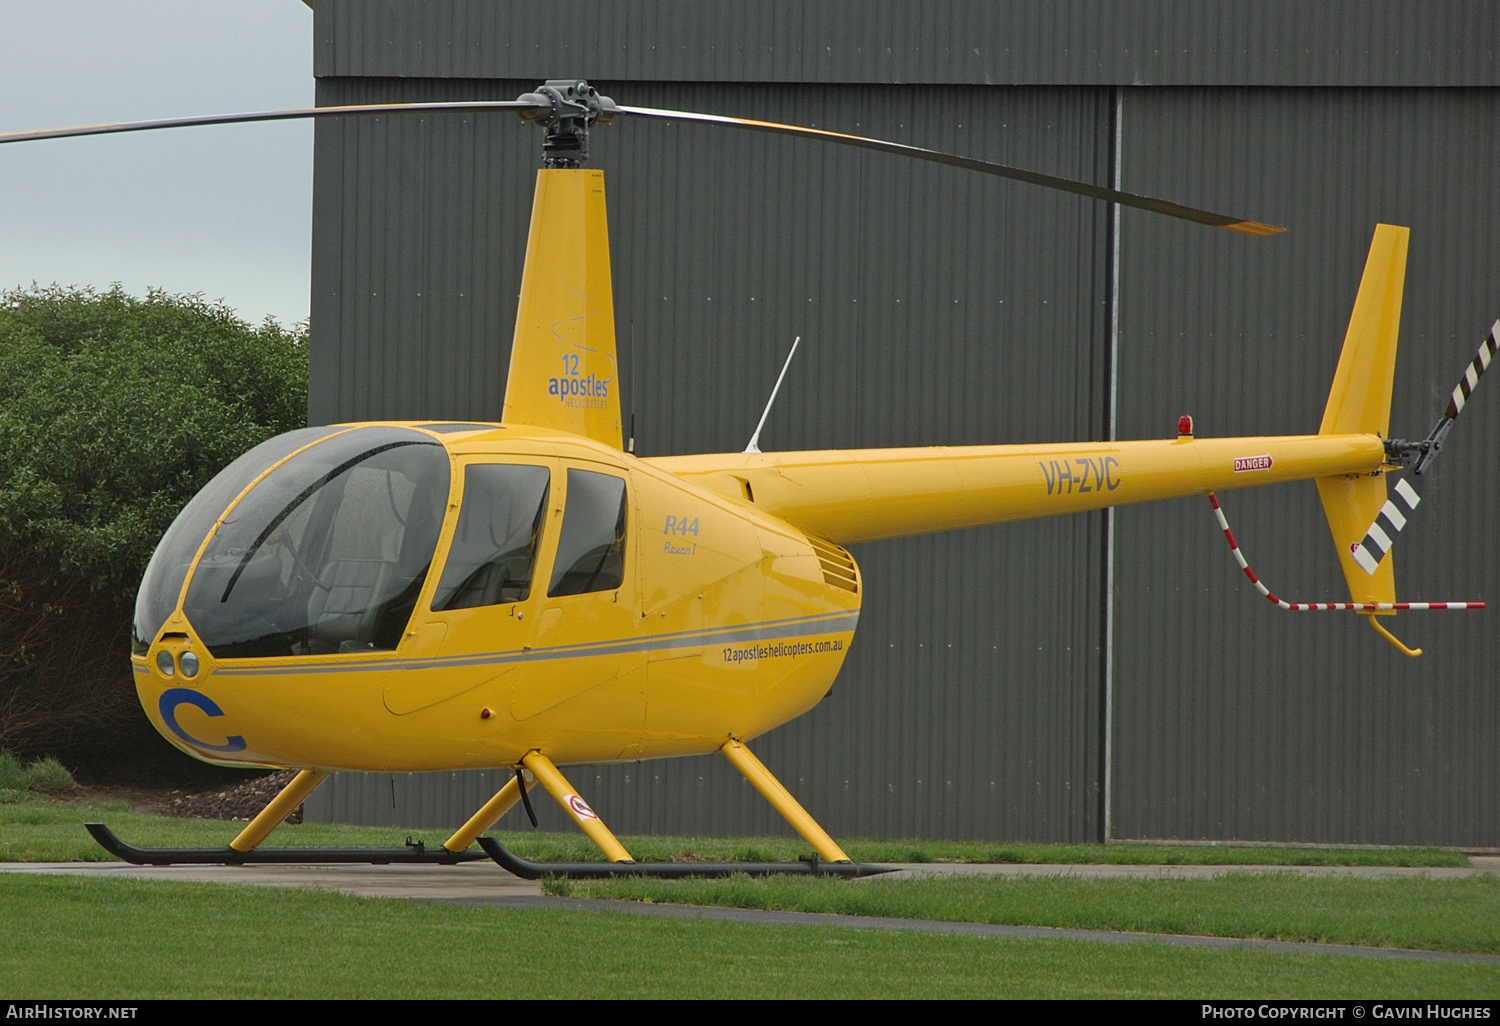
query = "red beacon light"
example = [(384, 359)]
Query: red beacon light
[(1185, 426)]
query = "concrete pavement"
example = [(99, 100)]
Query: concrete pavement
[(479, 880)]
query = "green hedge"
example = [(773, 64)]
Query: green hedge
[(114, 411)]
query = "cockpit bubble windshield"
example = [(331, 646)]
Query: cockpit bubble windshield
[(328, 553), (162, 582)]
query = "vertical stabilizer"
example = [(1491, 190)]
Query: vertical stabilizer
[(563, 370), (1360, 403), (1360, 400)]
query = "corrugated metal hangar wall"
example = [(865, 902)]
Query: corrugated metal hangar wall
[(1070, 679)]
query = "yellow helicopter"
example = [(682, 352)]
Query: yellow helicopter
[(529, 594)]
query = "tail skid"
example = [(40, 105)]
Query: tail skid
[(1369, 609)]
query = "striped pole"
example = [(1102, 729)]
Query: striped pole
[(1302, 607)]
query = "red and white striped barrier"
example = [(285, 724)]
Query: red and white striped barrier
[(1300, 607)]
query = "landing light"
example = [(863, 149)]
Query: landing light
[(189, 663), (164, 663)]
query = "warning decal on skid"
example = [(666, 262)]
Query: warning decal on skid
[(1244, 463), (581, 808)]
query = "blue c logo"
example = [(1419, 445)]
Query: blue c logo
[(173, 697)]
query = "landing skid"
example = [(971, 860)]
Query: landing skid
[(417, 853), (527, 870), (412, 853), (828, 858)]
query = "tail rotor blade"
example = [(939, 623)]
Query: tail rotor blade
[(1393, 515), (1482, 358), (1433, 443), (1382, 533)]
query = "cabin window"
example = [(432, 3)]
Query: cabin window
[(591, 547), (495, 541), (328, 552)]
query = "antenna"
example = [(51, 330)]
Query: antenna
[(754, 446)]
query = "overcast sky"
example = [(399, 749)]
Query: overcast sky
[(223, 211)]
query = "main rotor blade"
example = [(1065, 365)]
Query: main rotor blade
[(266, 115), (1128, 199)]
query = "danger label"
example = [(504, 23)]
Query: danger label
[(1244, 463), (581, 808)]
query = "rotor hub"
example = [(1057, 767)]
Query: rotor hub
[(567, 108)]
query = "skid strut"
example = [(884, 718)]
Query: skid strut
[(782, 801), (829, 859), (280, 807), (488, 815), (573, 804)]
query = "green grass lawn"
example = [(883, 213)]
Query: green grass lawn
[(73, 937), (42, 830), (80, 938), (1440, 915)]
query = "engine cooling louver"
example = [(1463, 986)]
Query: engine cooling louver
[(838, 565)]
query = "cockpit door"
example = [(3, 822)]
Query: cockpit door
[(589, 636), (480, 620)]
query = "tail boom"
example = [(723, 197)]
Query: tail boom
[(861, 495)]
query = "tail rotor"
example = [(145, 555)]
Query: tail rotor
[(1394, 514)]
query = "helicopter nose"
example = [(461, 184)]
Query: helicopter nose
[(179, 668)]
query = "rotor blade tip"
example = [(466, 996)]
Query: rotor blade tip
[(1252, 228)]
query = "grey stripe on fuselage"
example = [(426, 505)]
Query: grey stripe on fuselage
[(769, 630)]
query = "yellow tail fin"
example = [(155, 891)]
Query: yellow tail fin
[(563, 371), (1360, 403)]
